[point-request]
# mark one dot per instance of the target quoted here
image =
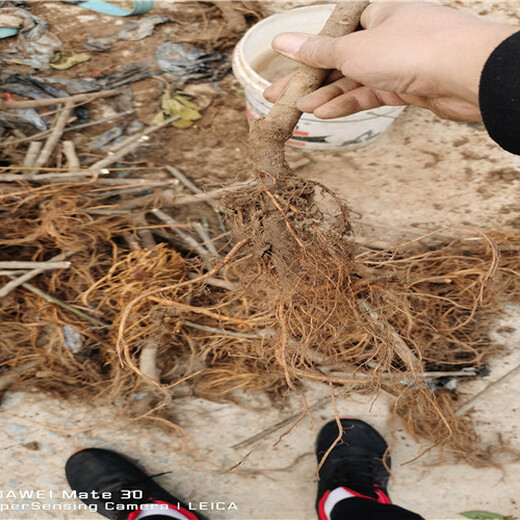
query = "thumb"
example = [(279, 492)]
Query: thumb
[(313, 50)]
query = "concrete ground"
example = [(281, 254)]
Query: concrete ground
[(423, 174)]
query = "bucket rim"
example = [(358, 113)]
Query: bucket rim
[(257, 81)]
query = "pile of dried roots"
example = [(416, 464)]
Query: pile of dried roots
[(260, 315)]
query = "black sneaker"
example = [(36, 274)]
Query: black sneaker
[(355, 464), (116, 486)]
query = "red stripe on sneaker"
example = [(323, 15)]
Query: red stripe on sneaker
[(188, 514), (321, 506), (359, 495), (382, 497)]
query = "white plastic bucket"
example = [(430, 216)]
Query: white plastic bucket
[(311, 133)]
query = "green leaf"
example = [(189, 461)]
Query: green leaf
[(64, 61), (159, 118), (181, 106), (482, 515)]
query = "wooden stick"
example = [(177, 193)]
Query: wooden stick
[(63, 305), (15, 264), (221, 332), (43, 177), (57, 132), (183, 179), (197, 191), (13, 284), (189, 199), (32, 154), (476, 398), (38, 103), (148, 362), (207, 242), (139, 135), (268, 135), (10, 272), (189, 240), (70, 153), (215, 282), (145, 235), (131, 144)]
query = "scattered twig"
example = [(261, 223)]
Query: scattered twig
[(278, 426), (215, 282), (401, 348), (469, 404), (73, 128), (70, 153), (187, 183), (32, 154), (184, 180), (145, 235), (130, 189), (37, 103), (15, 264), (16, 282), (63, 305), (131, 144), (180, 200), (207, 242), (189, 240), (455, 373), (148, 362), (132, 182), (139, 135), (132, 242), (65, 176), (54, 137), (221, 332)]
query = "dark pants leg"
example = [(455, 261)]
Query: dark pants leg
[(364, 509)]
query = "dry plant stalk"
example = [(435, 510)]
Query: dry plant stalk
[(268, 135)]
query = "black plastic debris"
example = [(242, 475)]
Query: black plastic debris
[(30, 116), (106, 138), (30, 86), (34, 45), (15, 122), (130, 74), (35, 88), (189, 63), (76, 85)]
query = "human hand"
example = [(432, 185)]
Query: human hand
[(409, 53)]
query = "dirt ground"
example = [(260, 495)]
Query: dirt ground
[(422, 175)]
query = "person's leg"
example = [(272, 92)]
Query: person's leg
[(363, 509), (120, 490), (354, 475)]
